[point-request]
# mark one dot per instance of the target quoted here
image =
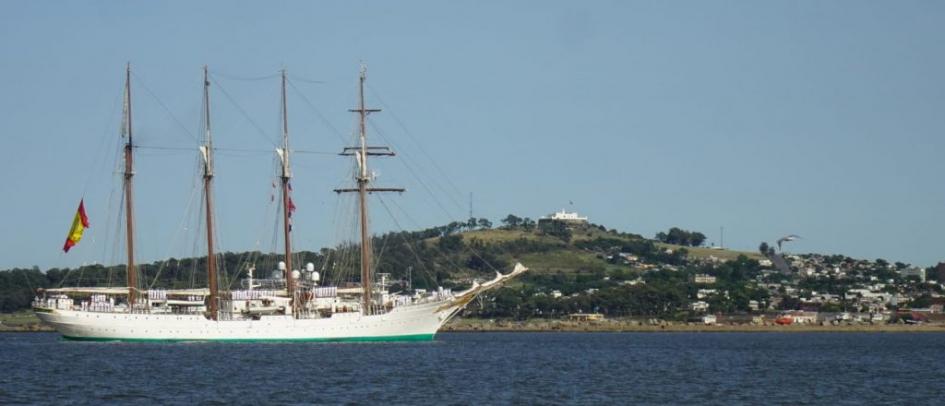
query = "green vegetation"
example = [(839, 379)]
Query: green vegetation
[(574, 268), (21, 318), (679, 236)]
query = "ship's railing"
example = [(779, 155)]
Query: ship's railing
[(270, 283)]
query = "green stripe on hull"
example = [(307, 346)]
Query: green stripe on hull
[(413, 337)]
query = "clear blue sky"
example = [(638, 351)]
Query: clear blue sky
[(822, 119)]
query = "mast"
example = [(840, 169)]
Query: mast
[(129, 202), (366, 249), (207, 153), (363, 178), (286, 202)]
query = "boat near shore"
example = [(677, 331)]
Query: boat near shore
[(290, 304)]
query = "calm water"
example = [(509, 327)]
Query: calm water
[(650, 368)]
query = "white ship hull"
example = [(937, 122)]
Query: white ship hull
[(412, 322), (418, 321)]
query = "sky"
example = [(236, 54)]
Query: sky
[(824, 119)]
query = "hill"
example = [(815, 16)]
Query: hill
[(450, 256), (574, 268)]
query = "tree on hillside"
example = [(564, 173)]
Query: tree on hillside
[(450, 243), (679, 236), (696, 239), (938, 272), (485, 224), (512, 221), (528, 224), (763, 248), (453, 227), (556, 228)]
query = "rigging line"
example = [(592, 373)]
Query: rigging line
[(179, 230), (223, 150), (70, 270), (108, 225), (165, 148), (84, 189), (430, 192), (140, 82), (380, 253), (294, 76), (94, 166), (469, 247), (198, 218), (270, 213), (409, 168), (403, 127), (29, 283), (347, 250), (318, 113), (243, 112), (296, 151), (118, 238), (245, 78), (404, 238), (447, 257), (419, 180), (251, 256)]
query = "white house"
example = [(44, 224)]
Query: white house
[(699, 306), (703, 278), (570, 217), (919, 272)]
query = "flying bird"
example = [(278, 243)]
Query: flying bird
[(787, 238)]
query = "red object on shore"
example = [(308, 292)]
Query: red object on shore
[(785, 320)]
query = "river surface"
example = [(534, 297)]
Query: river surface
[(486, 368)]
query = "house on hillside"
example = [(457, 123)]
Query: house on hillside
[(567, 216), (702, 278), (586, 317), (916, 272), (699, 306), (570, 218)]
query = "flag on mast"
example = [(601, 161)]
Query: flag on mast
[(79, 224)]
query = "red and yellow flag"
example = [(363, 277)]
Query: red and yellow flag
[(79, 224)]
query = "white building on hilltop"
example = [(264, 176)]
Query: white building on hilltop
[(570, 217)]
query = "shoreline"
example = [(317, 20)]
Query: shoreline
[(609, 326), (627, 326)]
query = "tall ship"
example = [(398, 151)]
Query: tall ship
[(289, 304)]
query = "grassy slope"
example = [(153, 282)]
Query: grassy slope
[(497, 235), (570, 259), (703, 252), (20, 318)]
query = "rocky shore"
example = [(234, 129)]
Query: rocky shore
[(618, 325)]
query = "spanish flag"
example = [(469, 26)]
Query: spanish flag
[(79, 224)]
